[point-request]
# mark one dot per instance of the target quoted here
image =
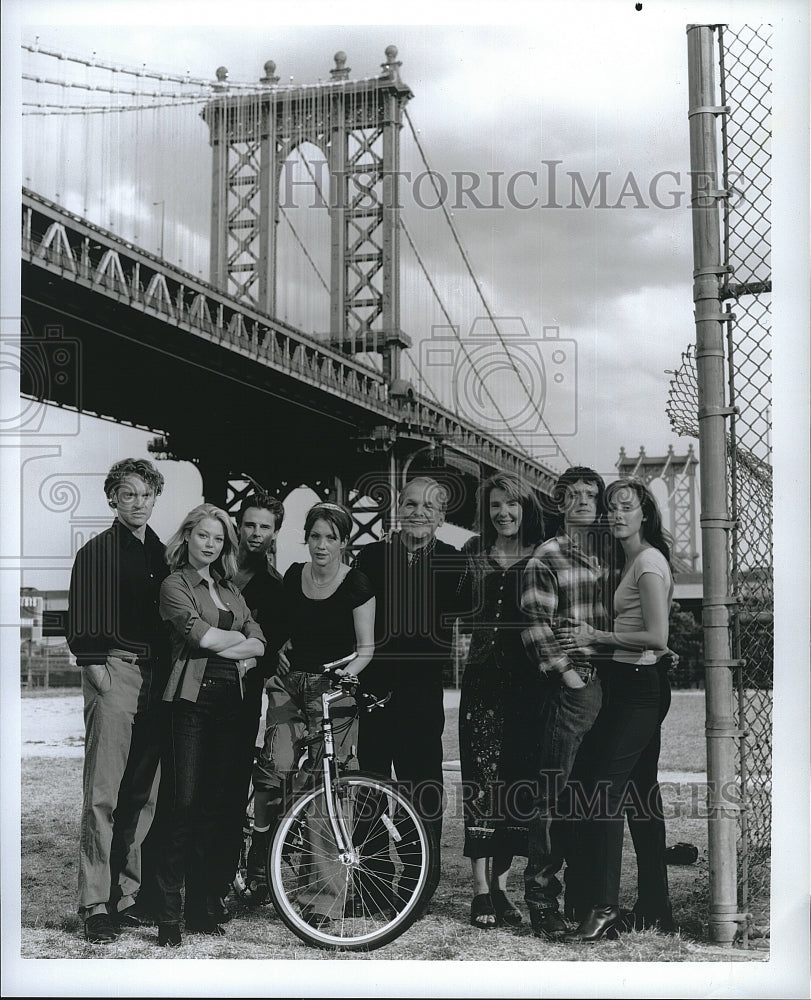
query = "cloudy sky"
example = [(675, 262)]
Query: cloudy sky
[(601, 88), (577, 114)]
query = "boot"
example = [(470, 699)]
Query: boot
[(600, 921)]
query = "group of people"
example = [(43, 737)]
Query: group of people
[(560, 710), (563, 697)]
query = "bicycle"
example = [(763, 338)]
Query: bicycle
[(349, 861)]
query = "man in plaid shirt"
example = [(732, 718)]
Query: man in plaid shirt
[(563, 580)]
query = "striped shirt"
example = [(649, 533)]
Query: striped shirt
[(561, 582)]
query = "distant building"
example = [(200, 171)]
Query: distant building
[(45, 660)]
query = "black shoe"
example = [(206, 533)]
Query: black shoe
[(204, 924), (169, 935), (131, 918), (599, 922), (547, 923), (507, 913), (99, 929)]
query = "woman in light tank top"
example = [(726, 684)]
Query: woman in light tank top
[(625, 741)]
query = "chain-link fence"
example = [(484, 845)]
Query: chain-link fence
[(744, 290)]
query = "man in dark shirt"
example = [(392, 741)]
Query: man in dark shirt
[(415, 577), (119, 641), (259, 519)]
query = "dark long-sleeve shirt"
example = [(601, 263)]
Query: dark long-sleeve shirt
[(264, 595), (114, 595), (417, 603)]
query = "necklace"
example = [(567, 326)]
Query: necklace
[(332, 579)]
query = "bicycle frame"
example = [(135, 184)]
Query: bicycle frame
[(343, 839)]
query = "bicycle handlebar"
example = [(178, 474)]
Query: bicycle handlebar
[(349, 682)]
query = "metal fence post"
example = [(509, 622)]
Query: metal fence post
[(721, 730)]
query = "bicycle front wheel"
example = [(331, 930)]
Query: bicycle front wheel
[(363, 897)]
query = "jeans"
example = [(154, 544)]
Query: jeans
[(120, 780), (201, 758), (567, 714)]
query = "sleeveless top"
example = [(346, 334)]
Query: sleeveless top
[(322, 630)]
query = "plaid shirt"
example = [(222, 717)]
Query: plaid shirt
[(561, 582)]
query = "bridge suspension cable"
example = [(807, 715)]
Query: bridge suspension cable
[(469, 267), (126, 174)]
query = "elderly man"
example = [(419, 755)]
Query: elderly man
[(119, 641), (415, 578)]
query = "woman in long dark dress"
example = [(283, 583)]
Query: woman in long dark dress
[(497, 723)]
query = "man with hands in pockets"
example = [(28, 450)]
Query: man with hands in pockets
[(119, 641)]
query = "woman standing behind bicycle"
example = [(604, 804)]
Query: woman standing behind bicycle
[(330, 613), (499, 698), (625, 740), (214, 642)]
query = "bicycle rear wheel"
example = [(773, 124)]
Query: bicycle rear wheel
[(363, 898)]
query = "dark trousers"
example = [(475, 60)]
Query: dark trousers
[(406, 734), (626, 742), (647, 826), (201, 756), (566, 716)]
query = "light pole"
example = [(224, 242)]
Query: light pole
[(163, 220)]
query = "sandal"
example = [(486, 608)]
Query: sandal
[(481, 912), (507, 913)]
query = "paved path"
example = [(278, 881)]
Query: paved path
[(52, 726)]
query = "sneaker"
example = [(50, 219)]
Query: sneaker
[(547, 923), (99, 929)]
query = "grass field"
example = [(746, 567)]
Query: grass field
[(51, 791)]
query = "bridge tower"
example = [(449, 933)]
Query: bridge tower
[(678, 472), (356, 124)]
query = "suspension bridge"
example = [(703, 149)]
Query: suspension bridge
[(269, 277), (257, 326)]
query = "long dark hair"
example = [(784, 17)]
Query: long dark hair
[(653, 530), (532, 522)]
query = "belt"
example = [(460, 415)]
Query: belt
[(130, 657)]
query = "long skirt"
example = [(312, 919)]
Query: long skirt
[(498, 745)]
